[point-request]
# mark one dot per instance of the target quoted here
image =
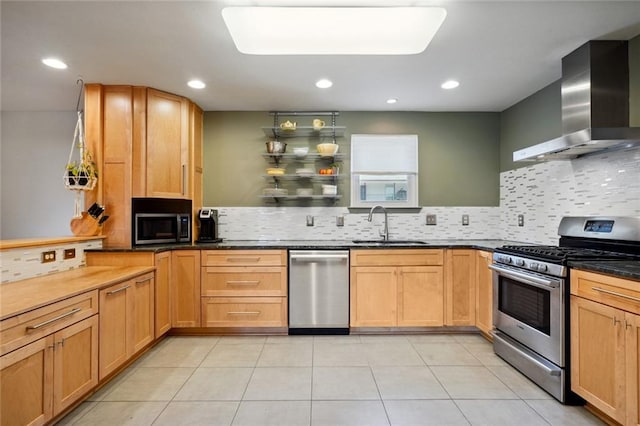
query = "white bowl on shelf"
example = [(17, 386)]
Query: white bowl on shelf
[(301, 152), (304, 192), (275, 191), (329, 190), (305, 172)]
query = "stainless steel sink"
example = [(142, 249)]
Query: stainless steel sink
[(390, 242)]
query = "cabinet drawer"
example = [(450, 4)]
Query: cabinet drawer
[(616, 292), (244, 258), (25, 328), (244, 281), (244, 312), (397, 257)]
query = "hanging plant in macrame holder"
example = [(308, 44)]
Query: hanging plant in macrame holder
[(81, 174)]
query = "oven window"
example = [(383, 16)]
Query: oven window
[(530, 305)]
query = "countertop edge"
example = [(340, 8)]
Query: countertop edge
[(89, 278)]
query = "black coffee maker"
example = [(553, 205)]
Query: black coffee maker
[(208, 226)]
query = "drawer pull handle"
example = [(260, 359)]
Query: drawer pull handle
[(52, 320), (243, 282), (109, 293), (615, 293), (243, 259), (143, 281), (244, 313)]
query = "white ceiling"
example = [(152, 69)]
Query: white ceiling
[(500, 52)]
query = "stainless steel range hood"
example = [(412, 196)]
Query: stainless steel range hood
[(595, 105)]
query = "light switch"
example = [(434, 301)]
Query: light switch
[(309, 220)]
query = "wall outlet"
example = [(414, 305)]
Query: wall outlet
[(309, 220), (520, 220), (431, 219), (69, 253), (465, 219), (48, 256)]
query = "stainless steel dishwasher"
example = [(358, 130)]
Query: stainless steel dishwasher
[(318, 292)]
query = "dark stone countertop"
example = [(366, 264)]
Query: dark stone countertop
[(488, 245), (620, 268)]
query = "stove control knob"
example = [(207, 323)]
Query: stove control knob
[(520, 262), (506, 259), (534, 266), (542, 268)]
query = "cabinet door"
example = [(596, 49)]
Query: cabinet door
[(374, 293), (632, 344), (26, 375), (484, 292), (185, 291), (163, 293), (75, 362), (460, 300), (598, 356), (195, 143), (116, 311), (142, 327), (167, 145), (420, 296)]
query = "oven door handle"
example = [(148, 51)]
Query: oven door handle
[(526, 278)]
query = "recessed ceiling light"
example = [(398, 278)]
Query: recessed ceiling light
[(196, 84), (54, 63), (392, 100), (324, 83), (332, 30), (450, 84)]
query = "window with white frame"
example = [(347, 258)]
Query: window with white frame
[(384, 170)]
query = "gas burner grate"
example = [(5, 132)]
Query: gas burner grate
[(560, 253)]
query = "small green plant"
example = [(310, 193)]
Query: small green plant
[(82, 173)]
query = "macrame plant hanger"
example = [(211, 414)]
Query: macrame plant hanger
[(81, 175)]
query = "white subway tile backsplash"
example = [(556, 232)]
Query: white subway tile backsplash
[(290, 223), (23, 263), (606, 184)]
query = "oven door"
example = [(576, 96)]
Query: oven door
[(529, 307)]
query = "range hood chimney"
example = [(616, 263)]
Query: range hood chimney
[(595, 104)]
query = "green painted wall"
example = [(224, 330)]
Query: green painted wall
[(458, 161), (535, 119), (634, 82)]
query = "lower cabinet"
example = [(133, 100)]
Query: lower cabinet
[(460, 278), (244, 288), (407, 291), (484, 292), (41, 379), (185, 288), (605, 339), (162, 263), (126, 321)]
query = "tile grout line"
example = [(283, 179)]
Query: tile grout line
[(255, 365), (185, 382)]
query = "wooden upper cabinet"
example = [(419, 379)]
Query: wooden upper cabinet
[(168, 154), (146, 143)]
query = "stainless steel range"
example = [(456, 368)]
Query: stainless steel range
[(531, 295)]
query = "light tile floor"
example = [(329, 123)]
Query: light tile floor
[(442, 379)]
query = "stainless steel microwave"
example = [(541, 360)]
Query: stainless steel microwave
[(157, 228)]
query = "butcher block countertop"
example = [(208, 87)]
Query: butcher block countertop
[(21, 296)]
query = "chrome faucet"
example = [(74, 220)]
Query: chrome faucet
[(385, 232)]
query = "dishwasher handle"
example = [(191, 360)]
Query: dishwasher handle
[(320, 257)]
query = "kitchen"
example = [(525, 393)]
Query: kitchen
[(458, 153)]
